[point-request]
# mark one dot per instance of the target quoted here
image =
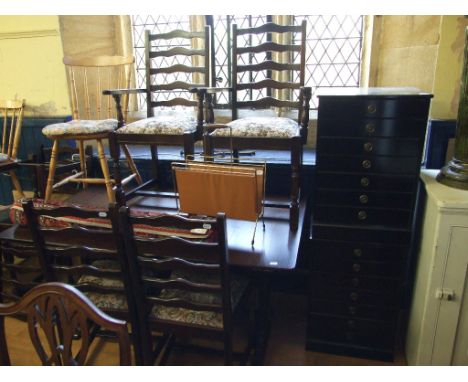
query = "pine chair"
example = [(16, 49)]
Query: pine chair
[(181, 287), (56, 313), (170, 105), (260, 81), (94, 116), (11, 114)]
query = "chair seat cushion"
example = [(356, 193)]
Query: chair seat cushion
[(163, 125), (114, 301), (260, 127), (4, 158), (80, 127), (198, 317)]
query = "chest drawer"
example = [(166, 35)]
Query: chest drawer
[(345, 251), (353, 310), (363, 198), (384, 288), (362, 216), (365, 182), (373, 107), (355, 267), (360, 234), (353, 331), (368, 146), (366, 164), (371, 128)]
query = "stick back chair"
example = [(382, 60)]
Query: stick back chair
[(56, 313), (261, 81), (175, 63), (181, 287), (94, 116), (11, 114)]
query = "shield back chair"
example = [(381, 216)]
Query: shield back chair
[(78, 246), (188, 289), (11, 114), (55, 313), (94, 116), (260, 81), (175, 63)]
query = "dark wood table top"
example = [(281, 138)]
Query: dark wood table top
[(275, 248)]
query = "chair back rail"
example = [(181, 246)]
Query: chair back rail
[(11, 113), (163, 76), (165, 272), (256, 51), (78, 255), (89, 76), (56, 313)]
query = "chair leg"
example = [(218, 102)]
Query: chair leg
[(296, 148), (16, 183), (105, 171), (52, 164), (189, 145), (81, 150), (4, 356), (131, 164), (208, 149), (228, 350)]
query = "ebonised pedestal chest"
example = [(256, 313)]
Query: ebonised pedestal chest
[(369, 150)]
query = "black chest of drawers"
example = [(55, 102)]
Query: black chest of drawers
[(369, 149)]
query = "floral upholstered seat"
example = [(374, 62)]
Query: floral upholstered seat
[(114, 301), (260, 127), (4, 157), (165, 125), (80, 127), (198, 317)]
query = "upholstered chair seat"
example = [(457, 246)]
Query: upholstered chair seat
[(198, 317), (4, 158), (261, 127), (165, 125), (114, 301), (80, 127)]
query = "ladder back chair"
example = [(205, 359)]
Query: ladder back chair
[(261, 80), (94, 116), (78, 246), (176, 62), (11, 116), (181, 287), (62, 324)]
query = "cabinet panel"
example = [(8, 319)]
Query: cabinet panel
[(368, 164), (358, 234), (373, 107), (363, 198), (368, 146)]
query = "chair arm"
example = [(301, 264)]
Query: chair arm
[(119, 92)]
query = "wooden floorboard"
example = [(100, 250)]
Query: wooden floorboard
[(286, 346)]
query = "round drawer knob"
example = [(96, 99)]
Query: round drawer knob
[(370, 128), (357, 252), (356, 268), (371, 109), (363, 199), (362, 215), (351, 324), (366, 163), (354, 296), (352, 310), (355, 281), (368, 147), (365, 182)]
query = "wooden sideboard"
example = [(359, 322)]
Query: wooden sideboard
[(369, 150)]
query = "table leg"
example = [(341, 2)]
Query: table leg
[(262, 318)]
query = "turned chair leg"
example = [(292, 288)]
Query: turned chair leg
[(105, 172), (16, 183), (131, 164), (52, 164), (83, 168), (296, 147)]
